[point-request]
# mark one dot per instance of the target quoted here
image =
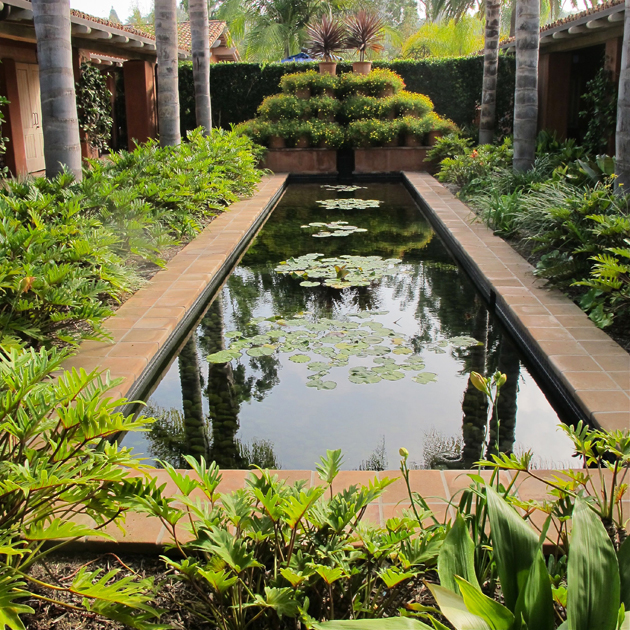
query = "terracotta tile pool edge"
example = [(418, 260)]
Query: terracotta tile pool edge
[(141, 341), (557, 337)]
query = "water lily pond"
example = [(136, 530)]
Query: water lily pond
[(362, 343)]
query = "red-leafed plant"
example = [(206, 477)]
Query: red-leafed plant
[(365, 32), (326, 37)]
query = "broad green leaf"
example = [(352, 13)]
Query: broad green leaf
[(282, 600), (223, 356), (514, 545), (328, 574), (593, 598), (454, 609), (58, 529), (393, 623), (294, 578), (623, 557), (10, 611), (457, 557), (218, 580), (497, 615), (393, 576), (535, 602)]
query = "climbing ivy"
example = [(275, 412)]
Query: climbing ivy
[(95, 107)]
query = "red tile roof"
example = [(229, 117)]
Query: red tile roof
[(215, 27), (104, 22)]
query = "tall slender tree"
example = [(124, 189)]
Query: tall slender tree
[(198, 11), (62, 148), (622, 169), (168, 87), (526, 93), (490, 69)]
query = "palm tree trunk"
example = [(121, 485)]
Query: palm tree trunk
[(62, 146), (198, 10), (526, 93), (622, 169), (490, 68), (168, 90)]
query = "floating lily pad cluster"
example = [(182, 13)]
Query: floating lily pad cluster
[(339, 273), (342, 187), (334, 342), (349, 204), (337, 228)]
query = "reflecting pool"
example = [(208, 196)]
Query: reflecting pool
[(298, 366)]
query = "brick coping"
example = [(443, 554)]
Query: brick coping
[(589, 368), (440, 488), (147, 327)]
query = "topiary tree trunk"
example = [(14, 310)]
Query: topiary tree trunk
[(198, 10), (168, 89), (490, 69), (62, 146), (526, 93), (622, 140)]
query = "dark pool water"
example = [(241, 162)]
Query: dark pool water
[(270, 410)]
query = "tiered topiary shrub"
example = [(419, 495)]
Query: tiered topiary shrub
[(351, 110)]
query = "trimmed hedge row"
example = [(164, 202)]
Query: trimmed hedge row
[(454, 86)]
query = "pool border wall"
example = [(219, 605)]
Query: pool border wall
[(587, 372)]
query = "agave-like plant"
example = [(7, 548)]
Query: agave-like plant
[(365, 32), (326, 37)]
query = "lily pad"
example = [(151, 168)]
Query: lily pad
[(425, 377), (318, 366), (261, 351), (393, 375), (224, 356), (300, 358), (364, 379), (402, 350), (310, 283), (231, 334)]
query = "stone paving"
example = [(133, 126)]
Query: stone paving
[(594, 368)]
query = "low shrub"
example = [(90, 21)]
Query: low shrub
[(361, 107), (416, 127), (323, 107), (69, 249), (374, 133), (61, 479), (409, 104), (281, 106), (326, 134), (378, 83), (311, 79)]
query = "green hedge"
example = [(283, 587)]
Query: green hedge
[(454, 86)]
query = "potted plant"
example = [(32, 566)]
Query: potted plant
[(326, 38), (415, 130), (365, 32)]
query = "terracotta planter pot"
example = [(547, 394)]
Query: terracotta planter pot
[(391, 115), (388, 91), (327, 67), (362, 67), (304, 92), (433, 136), (276, 142), (329, 92), (302, 143), (323, 145), (326, 117), (412, 140), (391, 143)]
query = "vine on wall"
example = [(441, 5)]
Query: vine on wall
[(95, 107)]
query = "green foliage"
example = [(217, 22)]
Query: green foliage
[(271, 553), (95, 107), (69, 249), (453, 85), (600, 111), (378, 83), (310, 80), (442, 38), (373, 132), (361, 107), (283, 106), (62, 478), (409, 104)]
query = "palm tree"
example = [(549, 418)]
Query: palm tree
[(168, 91), (490, 68), (62, 148), (198, 10), (526, 93), (622, 169)]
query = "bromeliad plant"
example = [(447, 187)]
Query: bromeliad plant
[(272, 553), (364, 33), (61, 478)]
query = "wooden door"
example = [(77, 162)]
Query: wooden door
[(31, 111)]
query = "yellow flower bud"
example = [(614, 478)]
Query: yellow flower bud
[(479, 382), (501, 380), (403, 452)]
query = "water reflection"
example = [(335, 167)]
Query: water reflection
[(258, 410)]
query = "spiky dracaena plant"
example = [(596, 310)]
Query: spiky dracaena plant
[(326, 37), (365, 32)]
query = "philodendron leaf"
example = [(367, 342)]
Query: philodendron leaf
[(535, 602), (593, 597), (454, 609), (10, 610), (58, 529), (623, 556), (393, 623), (514, 545), (457, 557), (497, 615)]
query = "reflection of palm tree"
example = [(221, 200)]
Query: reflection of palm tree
[(196, 439), (475, 405), (510, 365), (221, 392)]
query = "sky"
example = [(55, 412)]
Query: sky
[(101, 8)]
